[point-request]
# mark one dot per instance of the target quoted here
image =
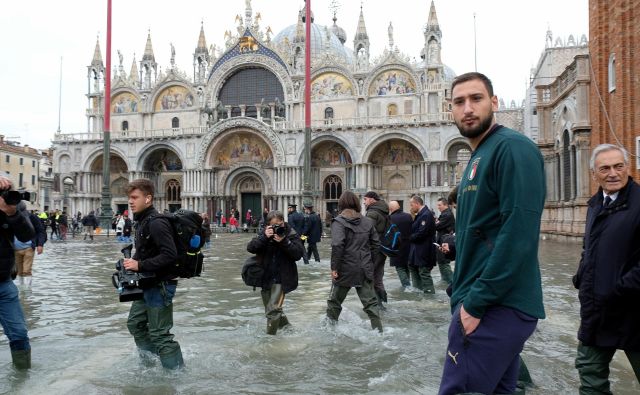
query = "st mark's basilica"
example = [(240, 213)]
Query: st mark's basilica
[(232, 133)]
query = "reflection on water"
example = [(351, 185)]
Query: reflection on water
[(81, 344)]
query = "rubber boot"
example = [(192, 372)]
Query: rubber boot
[(376, 323), (21, 359), (27, 281), (146, 351), (284, 321), (172, 360), (272, 326), (380, 299), (19, 280)]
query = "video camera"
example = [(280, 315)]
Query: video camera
[(12, 198), (127, 282)]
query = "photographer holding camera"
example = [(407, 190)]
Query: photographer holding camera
[(278, 249), (13, 223), (151, 318)]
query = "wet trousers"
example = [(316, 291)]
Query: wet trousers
[(444, 265), (486, 361), (367, 296), (313, 249), (403, 276), (592, 363), (150, 321), (421, 278), (378, 273), (273, 299), (12, 317)]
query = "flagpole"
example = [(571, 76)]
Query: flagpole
[(307, 196), (106, 212)]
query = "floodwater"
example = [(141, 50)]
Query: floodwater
[(81, 345)]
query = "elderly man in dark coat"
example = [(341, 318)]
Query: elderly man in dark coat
[(422, 254), (296, 221), (403, 221), (608, 278)]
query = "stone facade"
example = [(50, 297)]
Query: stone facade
[(218, 141)]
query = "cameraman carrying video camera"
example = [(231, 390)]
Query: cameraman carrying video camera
[(151, 318), (12, 223)]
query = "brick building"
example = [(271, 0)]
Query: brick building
[(614, 39)]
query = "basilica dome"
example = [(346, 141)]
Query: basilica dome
[(323, 39)]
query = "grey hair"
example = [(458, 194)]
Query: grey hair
[(274, 214), (604, 148)]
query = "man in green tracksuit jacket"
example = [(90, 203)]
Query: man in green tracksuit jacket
[(496, 292)]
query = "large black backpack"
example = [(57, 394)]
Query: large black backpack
[(189, 237), (390, 241)]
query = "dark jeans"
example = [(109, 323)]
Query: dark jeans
[(151, 319), (486, 361), (313, 248), (592, 363), (12, 317), (367, 298)]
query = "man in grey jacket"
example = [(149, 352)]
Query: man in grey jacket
[(378, 211)]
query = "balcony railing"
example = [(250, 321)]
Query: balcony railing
[(332, 123)]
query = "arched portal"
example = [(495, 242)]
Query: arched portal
[(394, 161), (249, 188), (458, 157), (332, 190), (173, 194), (162, 159)]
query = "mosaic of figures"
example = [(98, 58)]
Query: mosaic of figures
[(330, 85), (116, 165), (162, 160), (395, 152), (392, 82), (174, 98), (243, 147), (123, 103), (329, 154)]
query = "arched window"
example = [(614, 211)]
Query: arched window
[(125, 126), (175, 122), (173, 191), (566, 167), (332, 187), (612, 72), (328, 115), (249, 86), (392, 110)]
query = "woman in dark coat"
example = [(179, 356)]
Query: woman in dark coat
[(353, 240), (278, 251)]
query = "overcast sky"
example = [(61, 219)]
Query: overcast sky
[(36, 34)]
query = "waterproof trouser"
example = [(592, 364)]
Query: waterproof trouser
[(444, 265), (486, 361), (367, 297), (592, 363), (379, 260), (150, 321), (421, 279), (273, 299), (403, 276), (313, 249), (14, 324)]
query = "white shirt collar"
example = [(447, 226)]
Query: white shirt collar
[(613, 196)]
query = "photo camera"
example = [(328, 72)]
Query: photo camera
[(12, 198)]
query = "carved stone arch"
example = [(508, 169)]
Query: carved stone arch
[(388, 67), (453, 142), (236, 123), (236, 174), (565, 121), (222, 73), (328, 137), (59, 154), (148, 149), (86, 166), (381, 138), (337, 70), (150, 103)]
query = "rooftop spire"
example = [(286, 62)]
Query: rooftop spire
[(361, 31), (133, 74), (148, 49), (97, 55), (202, 43), (433, 17)]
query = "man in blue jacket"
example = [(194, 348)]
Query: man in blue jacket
[(422, 253), (496, 296), (608, 278)]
